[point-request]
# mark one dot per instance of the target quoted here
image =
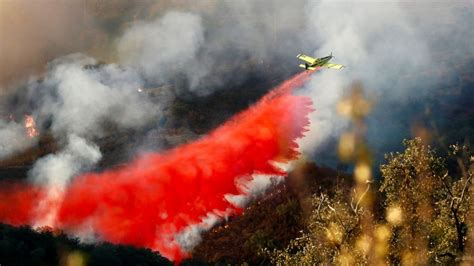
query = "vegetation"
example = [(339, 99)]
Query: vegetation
[(425, 217), (270, 222), (418, 215), (23, 246), (433, 203)]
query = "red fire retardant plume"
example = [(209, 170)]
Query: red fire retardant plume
[(149, 201)]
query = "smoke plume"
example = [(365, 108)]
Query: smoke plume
[(396, 49), (144, 47), (13, 138), (80, 97), (203, 50), (54, 172)]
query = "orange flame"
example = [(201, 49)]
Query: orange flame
[(30, 127)]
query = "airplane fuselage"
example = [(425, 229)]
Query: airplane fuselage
[(311, 63), (323, 60)]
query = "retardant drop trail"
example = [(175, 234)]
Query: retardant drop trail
[(147, 202)]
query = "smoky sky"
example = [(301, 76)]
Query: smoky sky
[(204, 51), (403, 53), (78, 67)]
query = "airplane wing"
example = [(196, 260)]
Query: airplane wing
[(308, 59), (335, 66)]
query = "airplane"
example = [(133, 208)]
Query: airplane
[(316, 63)]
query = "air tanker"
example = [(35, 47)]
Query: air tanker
[(316, 63)]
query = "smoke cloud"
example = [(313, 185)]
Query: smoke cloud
[(394, 48), (57, 169), (54, 172), (82, 100), (35, 32), (79, 97), (203, 50), (13, 138), (145, 47)]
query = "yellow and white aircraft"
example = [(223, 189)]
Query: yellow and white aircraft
[(316, 63)]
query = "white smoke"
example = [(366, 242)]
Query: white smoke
[(165, 47), (253, 188), (214, 50), (54, 171), (83, 101), (79, 100), (325, 89), (263, 30), (389, 46), (13, 138), (190, 236), (57, 169)]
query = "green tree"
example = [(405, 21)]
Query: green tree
[(425, 198), (430, 226), (333, 230)]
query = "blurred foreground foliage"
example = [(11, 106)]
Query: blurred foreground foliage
[(425, 222), (416, 214)]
